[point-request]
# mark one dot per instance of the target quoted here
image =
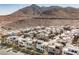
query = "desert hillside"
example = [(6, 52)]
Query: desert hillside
[(35, 15)]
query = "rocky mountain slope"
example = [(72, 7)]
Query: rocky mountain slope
[(34, 15)]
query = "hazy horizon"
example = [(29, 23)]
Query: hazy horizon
[(6, 9)]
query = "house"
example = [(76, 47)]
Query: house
[(12, 33), (41, 45), (70, 50), (25, 42), (55, 49), (29, 42), (67, 36), (14, 40), (19, 41), (42, 36), (11, 39)]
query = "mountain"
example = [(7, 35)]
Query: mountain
[(35, 15), (29, 10), (48, 11)]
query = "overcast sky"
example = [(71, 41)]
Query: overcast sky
[(6, 9)]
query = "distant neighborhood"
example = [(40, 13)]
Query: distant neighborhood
[(40, 40)]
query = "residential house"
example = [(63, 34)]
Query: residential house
[(70, 50)]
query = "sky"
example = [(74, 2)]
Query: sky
[(6, 9)]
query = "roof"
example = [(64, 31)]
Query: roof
[(45, 43)]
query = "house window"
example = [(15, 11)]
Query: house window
[(30, 44), (57, 47), (42, 47), (68, 54), (24, 41), (53, 50), (64, 52), (51, 53), (74, 51), (39, 43), (27, 43), (14, 38)]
